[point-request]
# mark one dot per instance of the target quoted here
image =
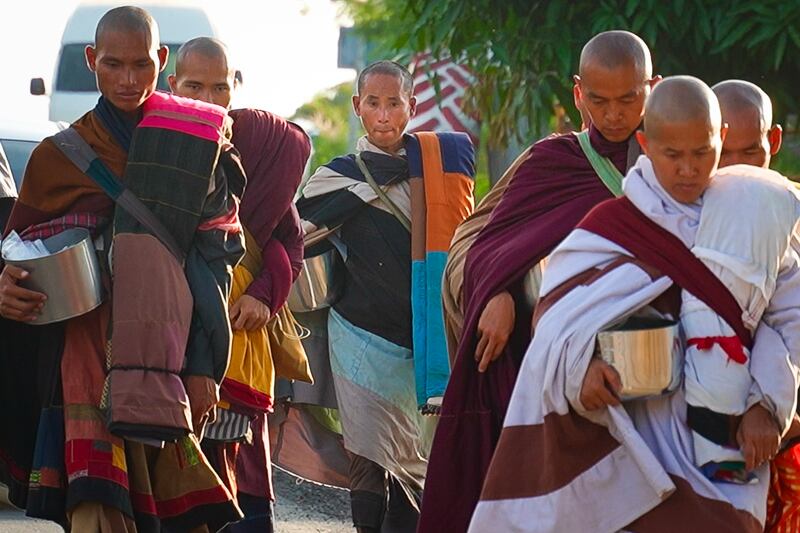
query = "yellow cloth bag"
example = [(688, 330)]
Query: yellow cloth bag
[(288, 354), (250, 379)]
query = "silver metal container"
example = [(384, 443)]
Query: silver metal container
[(70, 277), (318, 285), (647, 353)]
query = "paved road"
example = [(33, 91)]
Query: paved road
[(301, 508)]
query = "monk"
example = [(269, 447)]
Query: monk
[(752, 137), (571, 457), (555, 183), (390, 209), (274, 153), (752, 140), (108, 440)]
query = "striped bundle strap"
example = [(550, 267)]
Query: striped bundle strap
[(608, 173)]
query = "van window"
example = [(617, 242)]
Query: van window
[(73, 74)]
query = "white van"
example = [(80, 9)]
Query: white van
[(74, 88)]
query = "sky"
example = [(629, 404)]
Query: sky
[(286, 50)]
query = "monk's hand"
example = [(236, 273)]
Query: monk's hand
[(759, 436), (18, 303), (248, 313), (494, 329), (601, 386), (203, 395)]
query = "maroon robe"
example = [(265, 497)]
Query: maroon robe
[(274, 154), (549, 194)]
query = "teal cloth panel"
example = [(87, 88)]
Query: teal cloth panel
[(372, 362), (437, 364), (419, 314)]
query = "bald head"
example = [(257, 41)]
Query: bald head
[(747, 110), (207, 47), (616, 49), (203, 72), (127, 19), (681, 100), (683, 136), (739, 97)]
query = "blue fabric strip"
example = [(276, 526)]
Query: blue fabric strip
[(419, 314)]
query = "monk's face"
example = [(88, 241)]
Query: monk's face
[(748, 141), (384, 110), (613, 99), (685, 156), (126, 64), (203, 78)]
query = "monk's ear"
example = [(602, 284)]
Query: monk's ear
[(91, 57), (642, 139), (357, 104), (173, 83), (723, 132), (654, 80), (163, 55), (775, 138)]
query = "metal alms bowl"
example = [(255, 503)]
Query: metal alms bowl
[(647, 353), (318, 285), (70, 276)]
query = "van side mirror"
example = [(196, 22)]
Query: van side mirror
[(37, 87)]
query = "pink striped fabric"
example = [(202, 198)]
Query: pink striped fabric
[(185, 115)]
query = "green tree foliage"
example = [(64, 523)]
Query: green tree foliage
[(525, 51), (328, 112)]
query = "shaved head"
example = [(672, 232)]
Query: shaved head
[(612, 50), (683, 136), (739, 97), (128, 19), (747, 110), (207, 47), (681, 99)]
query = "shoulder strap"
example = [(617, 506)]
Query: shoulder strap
[(608, 173), (621, 222), (78, 151), (382, 194)]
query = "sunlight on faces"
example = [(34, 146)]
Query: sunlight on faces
[(685, 155), (749, 141), (205, 78), (613, 99), (126, 64), (384, 109)]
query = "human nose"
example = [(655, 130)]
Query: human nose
[(383, 114), (130, 77), (613, 112), (685, 168)]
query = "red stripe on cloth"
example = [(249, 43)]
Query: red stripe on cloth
[(84, 459), (228, 222), (191, 128), (161, 101), (143, 503), (187, 502), (246, 395), (732, 346)]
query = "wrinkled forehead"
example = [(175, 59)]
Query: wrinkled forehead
[(385, 85)]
